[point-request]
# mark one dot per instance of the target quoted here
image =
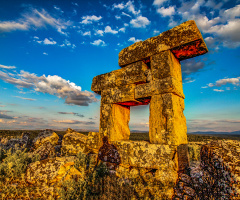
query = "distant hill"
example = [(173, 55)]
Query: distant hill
[(215, 133)]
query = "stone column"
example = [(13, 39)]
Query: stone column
[(167, 123), (114, 121)]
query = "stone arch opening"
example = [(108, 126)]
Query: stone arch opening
[(139, 123)]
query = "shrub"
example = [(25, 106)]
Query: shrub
[(15, 163)]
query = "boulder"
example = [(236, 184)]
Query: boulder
[(51, 171), (47, 135), (73, 142), (44, 144)]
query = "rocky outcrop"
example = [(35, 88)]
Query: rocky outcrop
[(13, 143), (44, 144), (52, 170), (74, 142), (215, 176)]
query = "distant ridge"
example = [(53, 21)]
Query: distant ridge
[(215, 133)]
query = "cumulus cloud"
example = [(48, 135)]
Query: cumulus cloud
[(90, 19), (234, 81), (224, 81), (166, 11), (133, 39), (49, 41), (158, 2), (99, 42), (140, 22), (108, 29), (99, 32), (35, 19), (222, 26), (129, 6), (7, 67), (54, 85)]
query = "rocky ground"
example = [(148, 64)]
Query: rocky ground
[(50, 167)]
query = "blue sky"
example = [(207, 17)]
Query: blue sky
[(51, 50)]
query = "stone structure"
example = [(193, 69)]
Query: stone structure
[(150, 73)]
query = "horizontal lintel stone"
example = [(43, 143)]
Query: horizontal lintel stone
[(184, 40), (118, 94), (133, 73)]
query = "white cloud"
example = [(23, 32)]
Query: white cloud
[(156, 32), (90, 19), (13, 26), (224, 81), (140, 22), (125, 14), (232, 12), (118, 6), (29, 99), (133, 39), (234, 81), (122, 30), (99, 32), (129, 6), (44, 53), (7, 67), (35, 19), (99, 42), (67, 43), (58, 9), (166, 11), (108, 29), (49, 41), (87, 33), (158, 2), (216, 90), (117, 17), (54, 85)]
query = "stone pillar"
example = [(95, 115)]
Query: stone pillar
[(114, 121), (167, 124)]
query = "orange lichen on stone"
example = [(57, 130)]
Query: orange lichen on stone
[(189, 50)]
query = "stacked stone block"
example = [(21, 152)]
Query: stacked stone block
[(150, 73)]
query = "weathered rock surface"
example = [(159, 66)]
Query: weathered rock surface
[(134, 73), (12, 143), (44, 144), (47, 135), (145, 155), (118, 94), (114, 121), (161, 86), (73, 142), (165, 65), (215, 176), (52, 170), (167, 123), (184, 40)]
